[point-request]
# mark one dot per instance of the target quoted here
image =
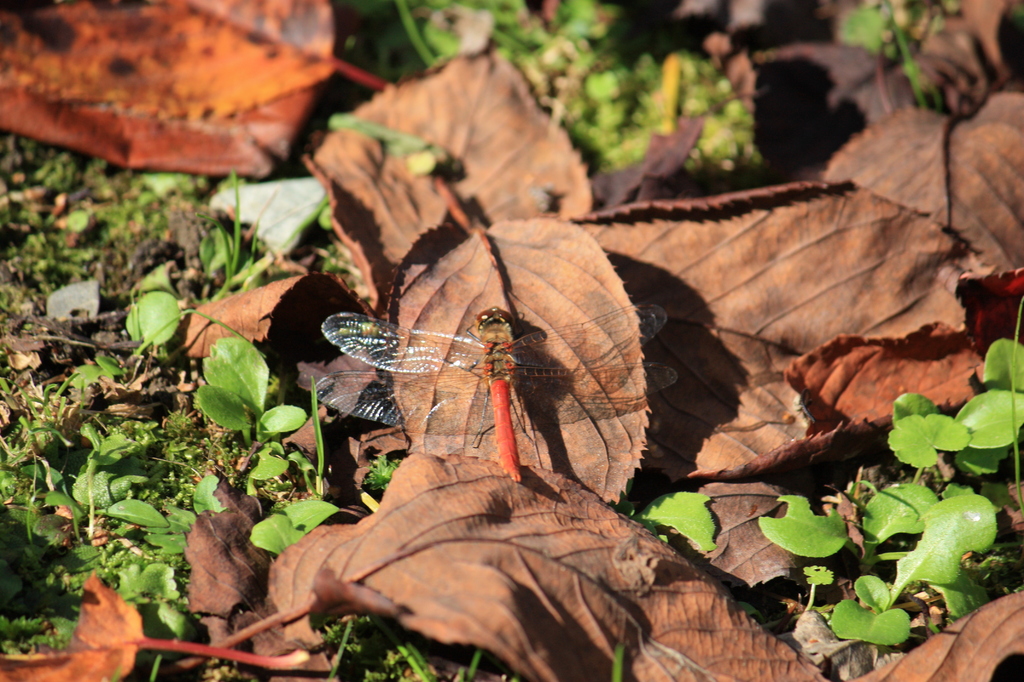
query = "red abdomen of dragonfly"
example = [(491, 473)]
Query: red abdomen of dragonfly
[(494, 329)]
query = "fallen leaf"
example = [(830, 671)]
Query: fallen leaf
[(991, 303), (548, 274), (812, 97), (528, 571), (749, 290), (976, 648), (902, 158), (162, 86), (517, 164), (102, 647), (852, 378), (744, 554), (228, 582), (228, 571), (287, 313)]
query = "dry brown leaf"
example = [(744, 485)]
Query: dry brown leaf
[(548, 274), (852, 378), (543, 574), (160, 86), (902, 159), (517, 164), (102, 647), (747, 294), (744, 554), (973, 649), (287, 312), (228, 572)]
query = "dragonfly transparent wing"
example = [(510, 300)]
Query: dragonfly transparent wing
[(397, 349), (419, 403), (605, 340), (433, 383), (559, 396)]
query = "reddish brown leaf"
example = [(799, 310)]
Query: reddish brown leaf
[(102, 647), (748, 293), (853, 440), (158, 86), (970, 650), (852, 378), (517, 165), (991, 304), (902, 159), (287, 313), (548, 274), (543, 574)]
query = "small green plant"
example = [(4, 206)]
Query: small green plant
[(153, 320), (167, 531), (890, 28), (220, 251), (279, 531), (235, 395), (816, 575), (684, 512), (949, 529), (962, 521), (112, 467), (380, 472)]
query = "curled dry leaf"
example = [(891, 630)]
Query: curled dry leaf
[(160, 86), (852, 378), (972, 649), (746, 293), (102, 647), (517, 165), (902, 159), (543, 574), (288, 313), (582, 422)]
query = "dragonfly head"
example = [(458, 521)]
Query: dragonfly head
[(494, 325)]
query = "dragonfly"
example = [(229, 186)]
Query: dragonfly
[(433, 383)]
